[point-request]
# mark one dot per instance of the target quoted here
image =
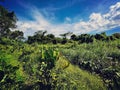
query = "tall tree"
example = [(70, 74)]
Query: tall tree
[(7, 21), (50, 37), (39, 36), (116, 35), (73, 37), (18, 35), (65, 35)]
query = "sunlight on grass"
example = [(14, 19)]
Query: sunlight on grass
[(72, 77)]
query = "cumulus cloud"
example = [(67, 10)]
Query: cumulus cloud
[(97, 23)]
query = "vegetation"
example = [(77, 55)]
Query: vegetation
[(99, 57), (41, 67), (46, 62)]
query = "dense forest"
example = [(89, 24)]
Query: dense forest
[(46, 62)]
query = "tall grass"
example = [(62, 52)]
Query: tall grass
[(71, 77), (99, 57)]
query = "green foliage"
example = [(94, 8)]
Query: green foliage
[(27, 66), (8, 68), (99, 57), (35, 66), (70, 77), (7, 21), (17, 35)]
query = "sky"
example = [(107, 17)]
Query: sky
[(61, 16)]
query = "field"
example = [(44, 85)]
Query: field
[(99, 57), (73, 66)]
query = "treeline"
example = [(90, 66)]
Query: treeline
[(42, 37)]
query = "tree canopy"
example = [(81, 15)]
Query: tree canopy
[(7, 21)]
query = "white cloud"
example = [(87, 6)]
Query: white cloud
[(67, 19), (96, 23)]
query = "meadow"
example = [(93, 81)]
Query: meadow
[(72, 66)]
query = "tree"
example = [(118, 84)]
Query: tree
[(39, 36), (57, 40), (7, 21), (31, 39), (84, 38), (73, 37), (101, 36), (65, 35), (50, 38), (116, 35), (18, 35)]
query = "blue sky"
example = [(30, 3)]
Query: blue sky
[(61, 16)]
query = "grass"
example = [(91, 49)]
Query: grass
[(99, 57), (29, 67), (71, 77)]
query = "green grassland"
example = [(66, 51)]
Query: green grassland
[(72, 66), (35, 67), (102, 58)]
